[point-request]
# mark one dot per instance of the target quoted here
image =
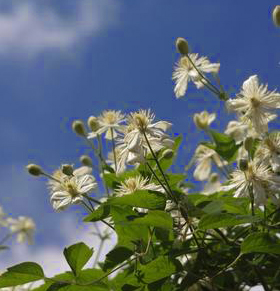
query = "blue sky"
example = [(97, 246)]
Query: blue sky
[(72, 59)]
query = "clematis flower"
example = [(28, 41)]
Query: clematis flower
[(259, 177), (110, 123), (23, 227), (204, 157), (255, 104), (203, 119), (133, 184), (67, 190), (184, 72), (269, 151)]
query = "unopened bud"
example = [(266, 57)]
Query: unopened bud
[(67, 169), (214, 178), (243, 164), (86, 160), (79, 128), (276, 15), (167, 154), (182, 46), (34, 170), (93, 123)]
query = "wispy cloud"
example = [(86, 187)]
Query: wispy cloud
[(30, 28)]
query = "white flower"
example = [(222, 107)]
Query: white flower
[(133, 147), (110, 122), (257, 176), (269, 151), (203, 119), (204, 156), (185, 72), (133, 184), (23, 227), (255, 103), (237, 130), (140, 123), (213, 185), (67, 190)]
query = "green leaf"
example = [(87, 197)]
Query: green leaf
[(225, 145), (57, 286), (217, 220), (127, 233), (77, 256), (174, 179), (116, 256), (102, 212), (21, 274), (159, 268), (85, 276), (142, 198), (156, 218), (260, 242)]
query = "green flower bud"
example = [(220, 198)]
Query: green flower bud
[(93, 123), (276, 15), (67, 169), (34, 170), (79, 128), (182, 46), (86, 160), (167, 154), (243, 164)]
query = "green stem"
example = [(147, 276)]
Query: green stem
[(114, 150), (214, 89)]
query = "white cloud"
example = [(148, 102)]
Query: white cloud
[(50, 257), (30, 28)]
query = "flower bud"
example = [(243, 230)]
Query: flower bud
[(79, 128), (34, 170), (86, 160), (67, 169), (167, 154), (203, 119), (276, 15), (243, 164), (182, 46), (93, 123)]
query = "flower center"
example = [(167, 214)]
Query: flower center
[(71, 188), (141, 121), (255, 102), (110, 117)]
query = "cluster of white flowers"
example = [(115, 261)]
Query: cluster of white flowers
[(135, 136), (23, 227), (255, 106)]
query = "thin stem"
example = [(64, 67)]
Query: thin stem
[(86, 206), (51, 177), (252, 200), (111, 272), (214, 88), (92, 199), (160, 169), (114, 149)]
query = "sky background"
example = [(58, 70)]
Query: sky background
[(69, 59)]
